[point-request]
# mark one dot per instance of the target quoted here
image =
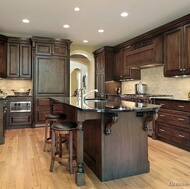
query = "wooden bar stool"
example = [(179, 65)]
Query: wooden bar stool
[(58, 130), (51, 118)]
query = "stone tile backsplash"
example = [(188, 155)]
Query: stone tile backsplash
[(158, 84), (6, 85)]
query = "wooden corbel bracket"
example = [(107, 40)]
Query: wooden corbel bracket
[(149, 117), (111, 119)]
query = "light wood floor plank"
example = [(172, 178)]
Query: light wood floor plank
[(24, 165)]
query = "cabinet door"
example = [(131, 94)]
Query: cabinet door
[(13, 60), (25, 61), (118, 65), (173, 50), (51, 75), (59, 50), (43, 49), (3, 63), (187, 49)]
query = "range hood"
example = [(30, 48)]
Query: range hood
[(145, 54)]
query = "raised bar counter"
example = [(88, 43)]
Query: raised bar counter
[(111, 136)]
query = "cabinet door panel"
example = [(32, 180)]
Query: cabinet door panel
[(43, 49), (51, 75), (3, 58), (19, 119), (13, 60), (25, 60), (173, 50), (59, 50), (187, 48)]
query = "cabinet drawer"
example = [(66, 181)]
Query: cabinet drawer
[(174, 119), (181, 106), (181, 135), (42, 102), (166, 104), (20, 119), (163, 131)]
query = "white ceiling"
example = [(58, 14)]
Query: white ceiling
[(48, 16)]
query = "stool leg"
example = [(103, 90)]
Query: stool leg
[(53, 149), (71, 151), (60, 145), (46, 131)]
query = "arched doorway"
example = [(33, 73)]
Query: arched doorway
[(81, 71)]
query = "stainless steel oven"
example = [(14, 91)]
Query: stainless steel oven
[(20, 106)]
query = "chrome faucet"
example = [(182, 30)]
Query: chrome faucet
[(94, 90)]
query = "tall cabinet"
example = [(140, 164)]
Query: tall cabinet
[(104, 59), (51, 58)]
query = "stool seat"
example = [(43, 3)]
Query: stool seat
[(60, 129), (64, 126), (56, 116), (51, 118)]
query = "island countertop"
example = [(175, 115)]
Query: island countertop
[(105, 105)]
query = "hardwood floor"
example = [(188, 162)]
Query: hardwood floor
[(24, 165)]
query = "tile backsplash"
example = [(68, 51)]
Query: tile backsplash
[(6, 85), (158, 84)]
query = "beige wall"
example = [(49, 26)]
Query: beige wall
[(158, 84)]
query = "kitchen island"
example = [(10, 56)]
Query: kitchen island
[(114, 143)]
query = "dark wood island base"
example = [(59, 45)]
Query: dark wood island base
[(112, 149)]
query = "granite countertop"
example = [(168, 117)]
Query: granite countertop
[(105, 105)]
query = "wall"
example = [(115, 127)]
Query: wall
[(158, 84), (6, 85)]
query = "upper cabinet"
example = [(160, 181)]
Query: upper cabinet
[(177, 52), (3, 56), (121, 70), (19, 58), (104, 59)]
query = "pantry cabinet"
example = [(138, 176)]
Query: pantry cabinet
[(173, 123), (19, 58), (51, 60), (121, 69), (177, 51)]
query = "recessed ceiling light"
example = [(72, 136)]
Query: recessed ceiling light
[(25, 20), (66, 26), (76, 8), (124, 14), (100, 30), (85, 41)]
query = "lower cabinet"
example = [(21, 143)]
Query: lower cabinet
[(42, 107), (19, 112), (173, 123)]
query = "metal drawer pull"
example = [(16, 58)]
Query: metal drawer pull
[(162, 130), (181, 136), (180, 119), (181, 106)]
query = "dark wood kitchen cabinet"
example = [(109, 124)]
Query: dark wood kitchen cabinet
[(104, 59), (121, 70), (19, 56), (173, 123), (177, 51), (3, 56), (51, 60)]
